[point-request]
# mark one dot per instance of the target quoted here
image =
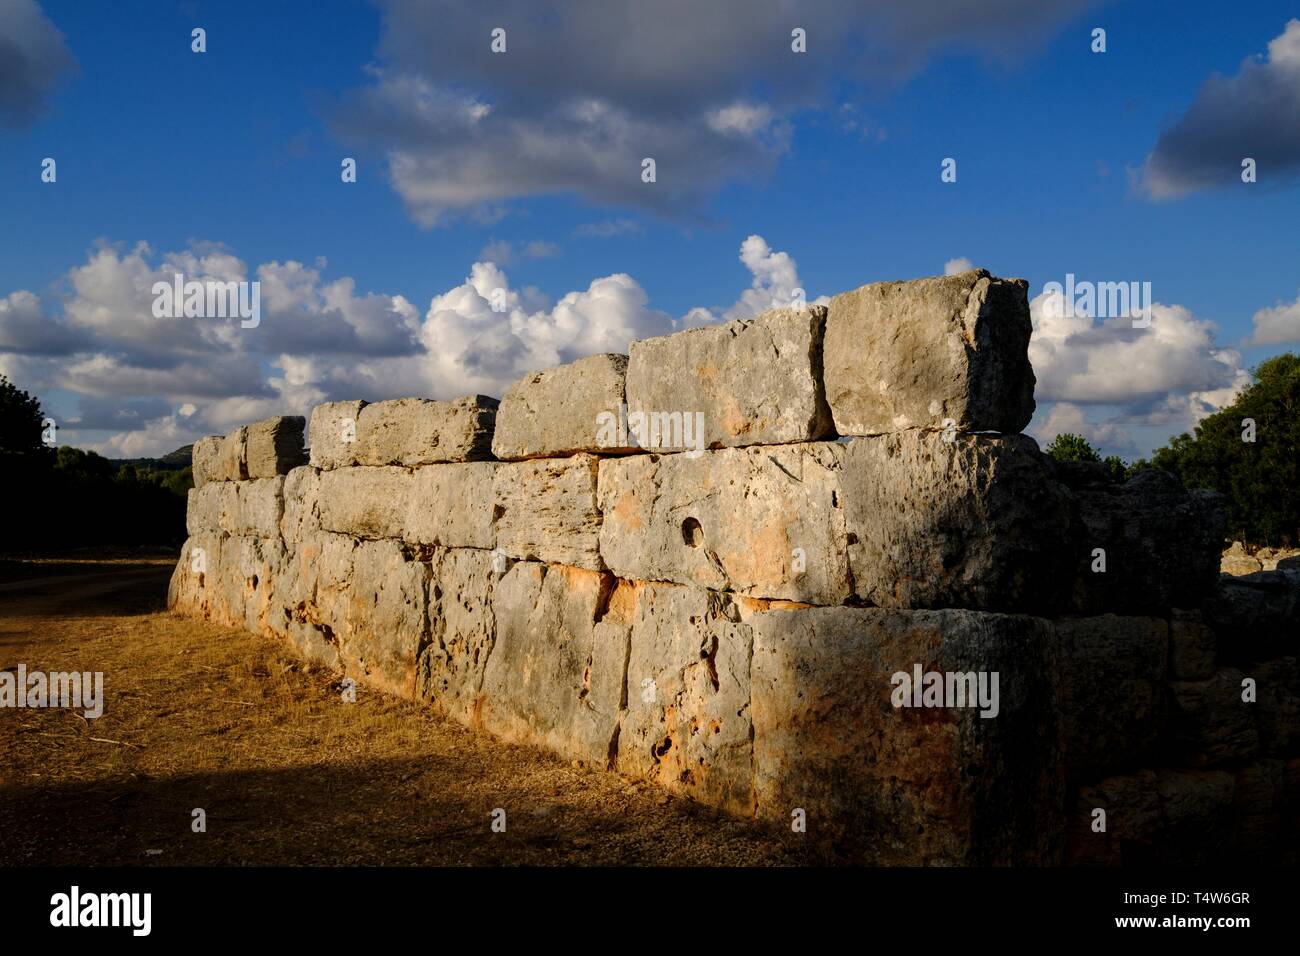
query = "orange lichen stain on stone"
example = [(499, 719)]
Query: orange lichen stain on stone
[(763, 605), (763, 557), (627, 511), (734, 421), (623, 601)]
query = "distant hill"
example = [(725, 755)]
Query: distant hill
[(172, 461)]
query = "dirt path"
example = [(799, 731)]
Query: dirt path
[(200, 716)]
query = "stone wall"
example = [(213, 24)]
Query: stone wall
[(703, 564)]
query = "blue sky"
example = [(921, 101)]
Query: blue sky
[(526, 163)]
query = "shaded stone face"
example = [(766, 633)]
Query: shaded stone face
[(561, 411), (973, 522), (1161, 543), (902, 355), (896, 785), (416, 431), (756, 382), (274, 446), (1112, 691)]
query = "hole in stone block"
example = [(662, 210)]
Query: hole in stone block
[(692, 533)]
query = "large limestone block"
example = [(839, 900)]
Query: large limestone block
[(193, 586), (1112, 693), (971, 522), (1196, 813), (562, 411), (211, 507), (252, 507), (274, 446), (301, 518), (417, 431), (231, 461), (1161, 542), (366, 502), (1256, 616), (1133, 822), (764, 521), (252, 576), (687, 725), (333, 434), (462, 631), (260, 506), (546, 510), (902, 785), (552, 679), (755, 382), (912, 354), (451, 505), (387, 616), (204, 460), (315, 595), (1210, 723)]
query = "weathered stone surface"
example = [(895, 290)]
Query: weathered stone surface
[(889, 785), (687, 725), (1161, 542), (451, 505), (240, 508), (231, 462), (366, 502), (193, 586), (912, 354), (314, 595), (301, 517), (549, 680), (273, 446), (417, 431), (462, 631), (763, 521), (333, 434), (1196, 809), (1278, 714), (1259, 792), (1255, 616), (561, 411), (1210, 723), (1193, 650), (546, 511), (972, 522), (251, 574), (387, 616), (1112, 695), (1236, 561), (205, 459), (261, 505), (1132, 806), (756, 382)]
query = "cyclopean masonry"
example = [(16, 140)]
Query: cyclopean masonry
[(726, 619)]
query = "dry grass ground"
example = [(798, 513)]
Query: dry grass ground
[(203, 716)]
